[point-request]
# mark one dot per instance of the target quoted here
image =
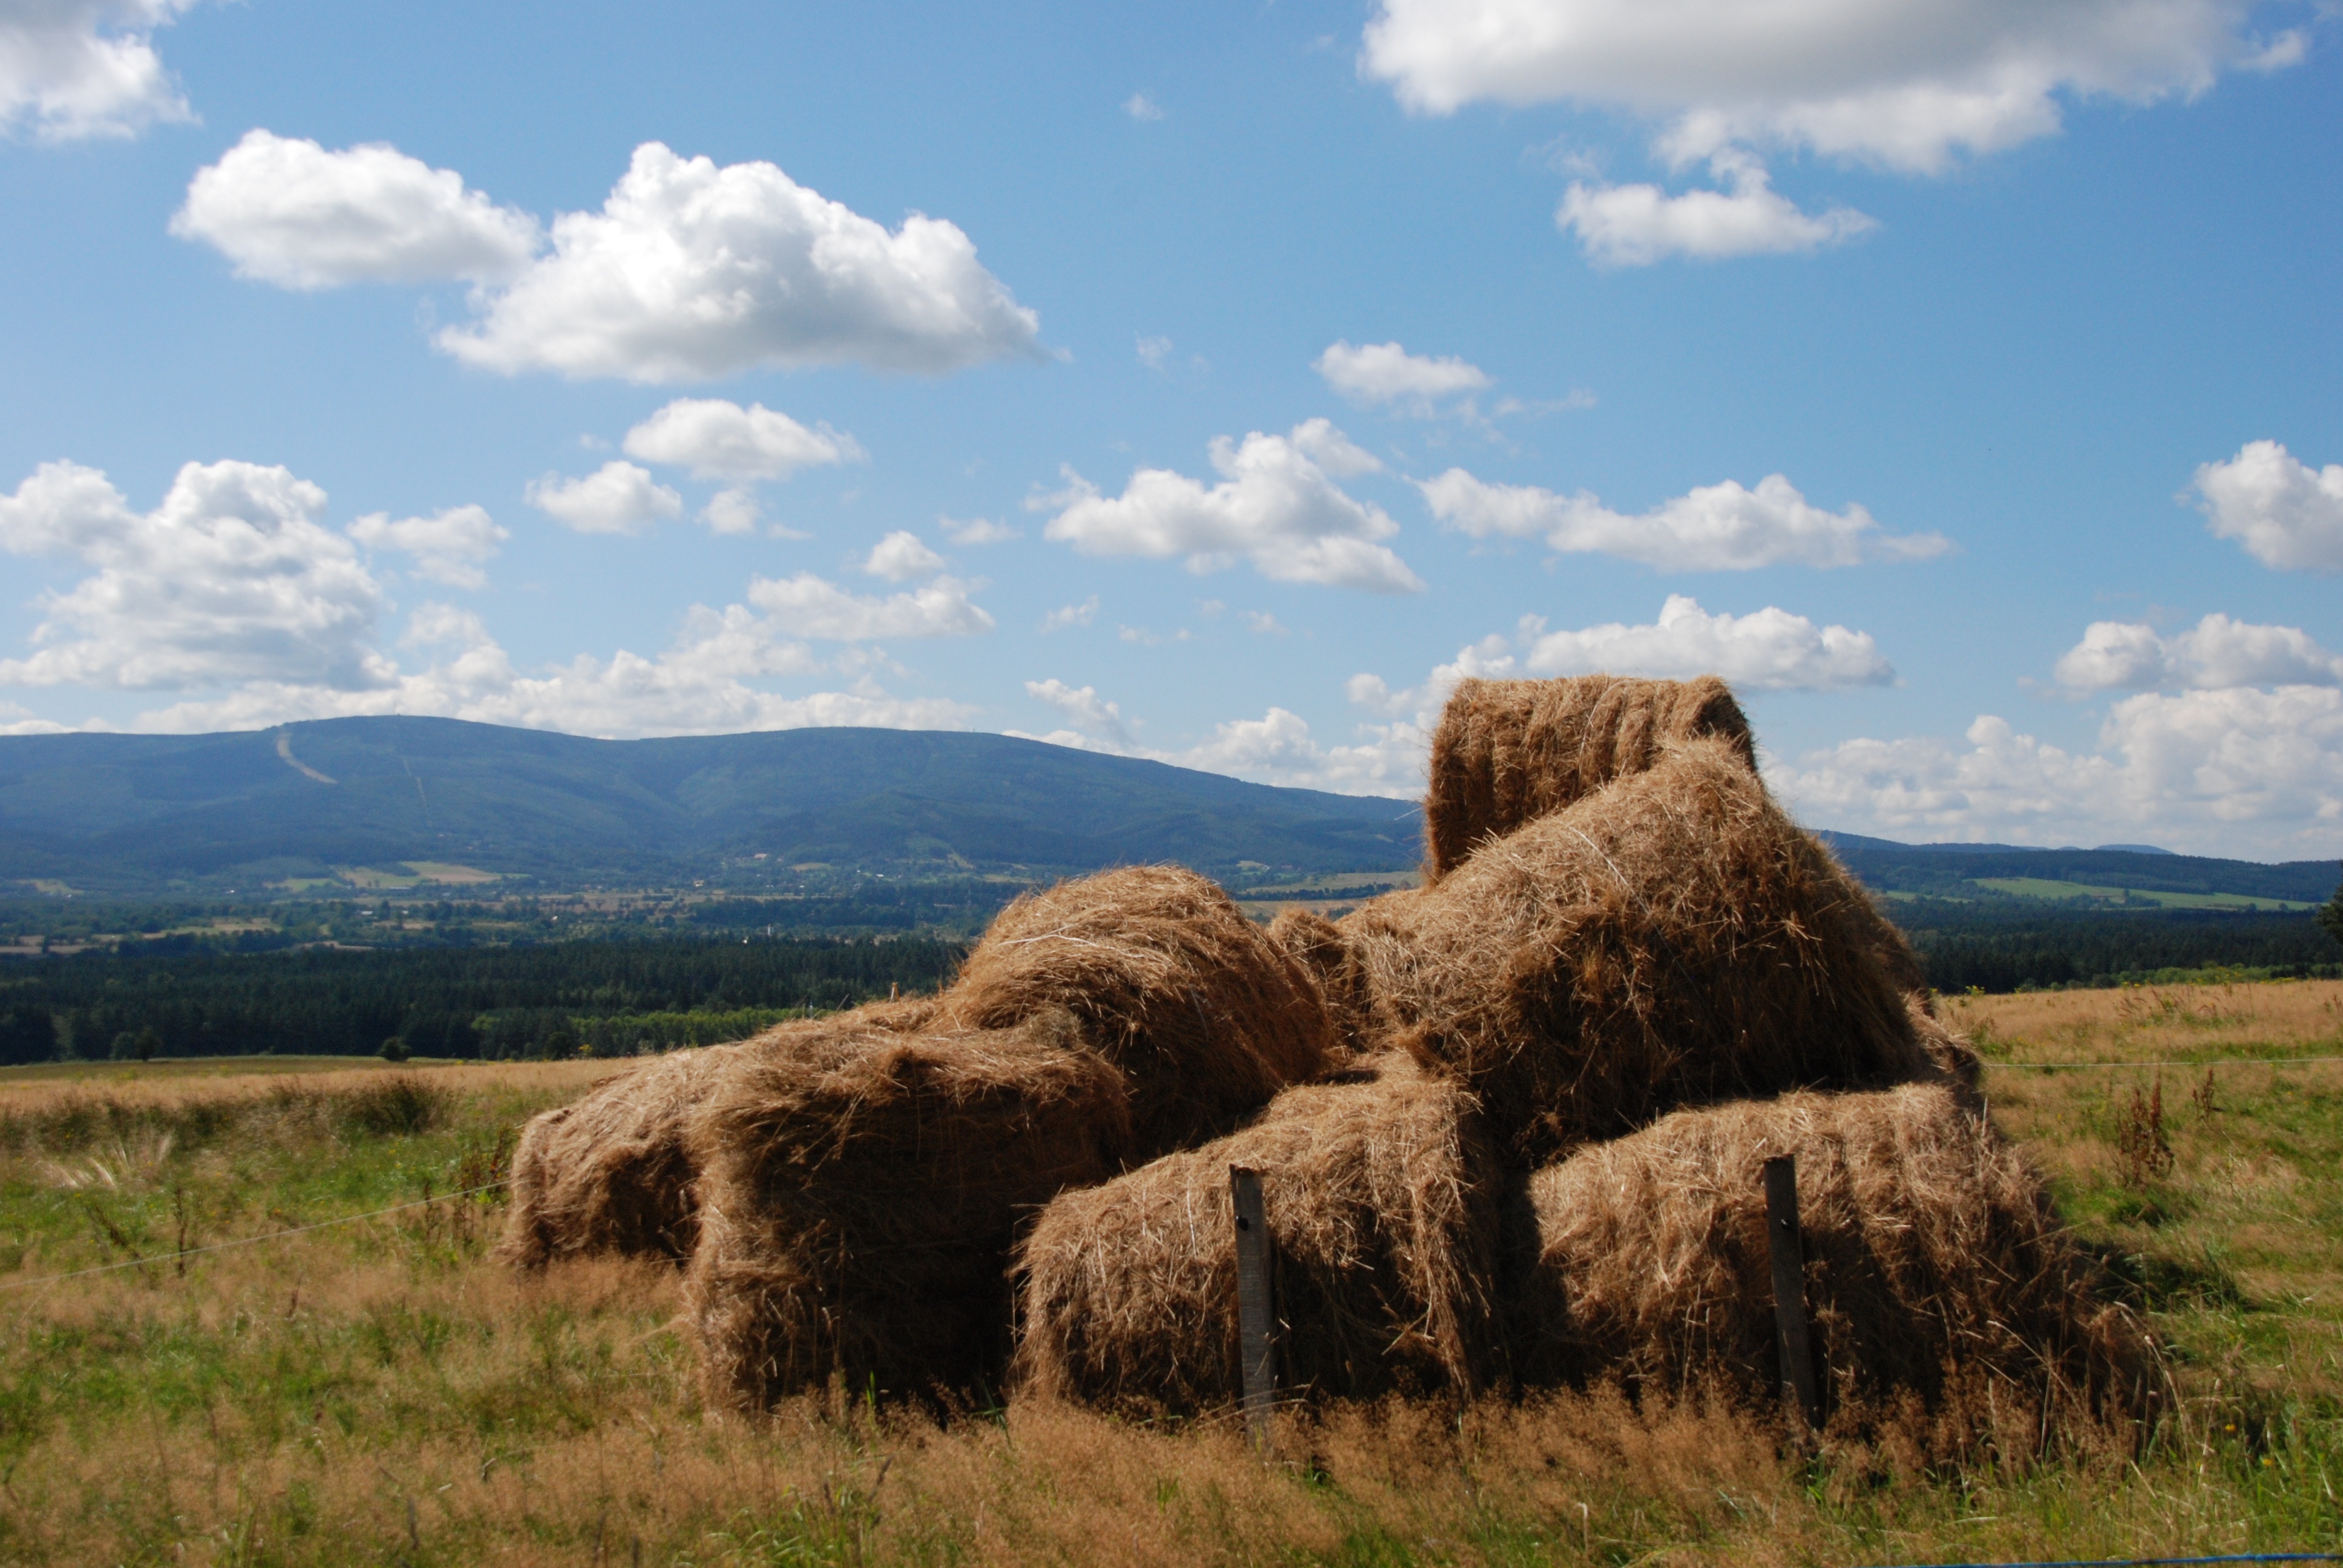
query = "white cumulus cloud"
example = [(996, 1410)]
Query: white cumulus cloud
[(809, 606), (1084, 709), (448, 546), (1713, 528), (976, 531), (73, 69), (616, 498), (2236, 771), (901, 556), (1767, 650), (699, 686), (286, 211), (692, 271), (1385, 373), (2286, 513), (1905, 84), (1277, 505), (2215, 653), (231, 579), (1066, 615), (1637, 225), (717, 439)]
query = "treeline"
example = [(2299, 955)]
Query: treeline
[(1964, 947), (496, 1002)]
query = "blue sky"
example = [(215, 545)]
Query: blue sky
[(1214, 383)]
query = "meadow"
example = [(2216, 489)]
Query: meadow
[(382, 1390)]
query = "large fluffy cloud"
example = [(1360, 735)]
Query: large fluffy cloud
[(70, 69), (616, 498), (288, 212), (1767, 650), (1636, 225), (2215, 653), (1713, 528), (1277, 505), (231, 579), (448, 546), (691, 271), (2285, 512), (2235, 771), (1903, 83)]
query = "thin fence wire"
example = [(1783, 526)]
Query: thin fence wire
[(176, 1254)]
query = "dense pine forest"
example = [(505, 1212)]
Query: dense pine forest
[(541, 1000), (507, 980)]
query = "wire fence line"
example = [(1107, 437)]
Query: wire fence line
[(182, 1253), (2205, 1061)]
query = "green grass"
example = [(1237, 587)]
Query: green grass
[(2059, 892)]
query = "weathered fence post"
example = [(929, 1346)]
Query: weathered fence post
[(1256, 1305), (1790, 1286)]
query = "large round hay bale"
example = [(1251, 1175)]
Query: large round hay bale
[(1380, 1194), (1936, 1270), (613, 1172), (861, 1188), (610, 1173), (1166, 979), (1506, 753), (1670, 940)]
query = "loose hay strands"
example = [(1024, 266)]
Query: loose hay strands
[(1507, 752), (861, 1191), (1169, 980), (1670, 940), (1380, 1199), (1945, 1300), (613, 1171), (1318, 944)]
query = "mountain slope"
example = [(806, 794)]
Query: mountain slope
[(140, 812)]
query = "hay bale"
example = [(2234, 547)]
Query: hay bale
[(612, 1171), (1380, 1194), (861, 1188), (1169, 980), (1670, 940), (1937, 1271), (1507, 752), (1318, 945)]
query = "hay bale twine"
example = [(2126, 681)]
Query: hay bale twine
[(613, 1172), (1506, 753), (860, 1192), (1380, 1191), (1670, 940), (1937, 1273), (1168, 980)]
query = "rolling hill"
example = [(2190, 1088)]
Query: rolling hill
[(385, 798)]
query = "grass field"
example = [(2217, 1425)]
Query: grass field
[(381, 1392)]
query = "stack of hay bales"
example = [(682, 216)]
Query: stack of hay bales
[(1508, 1126)]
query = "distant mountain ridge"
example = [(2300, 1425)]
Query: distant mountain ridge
[(140, 813), (1962, 871)]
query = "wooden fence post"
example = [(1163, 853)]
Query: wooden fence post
[(1256, 1305), (1790, 1287)]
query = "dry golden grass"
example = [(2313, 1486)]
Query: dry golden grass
[(384, 1393)]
